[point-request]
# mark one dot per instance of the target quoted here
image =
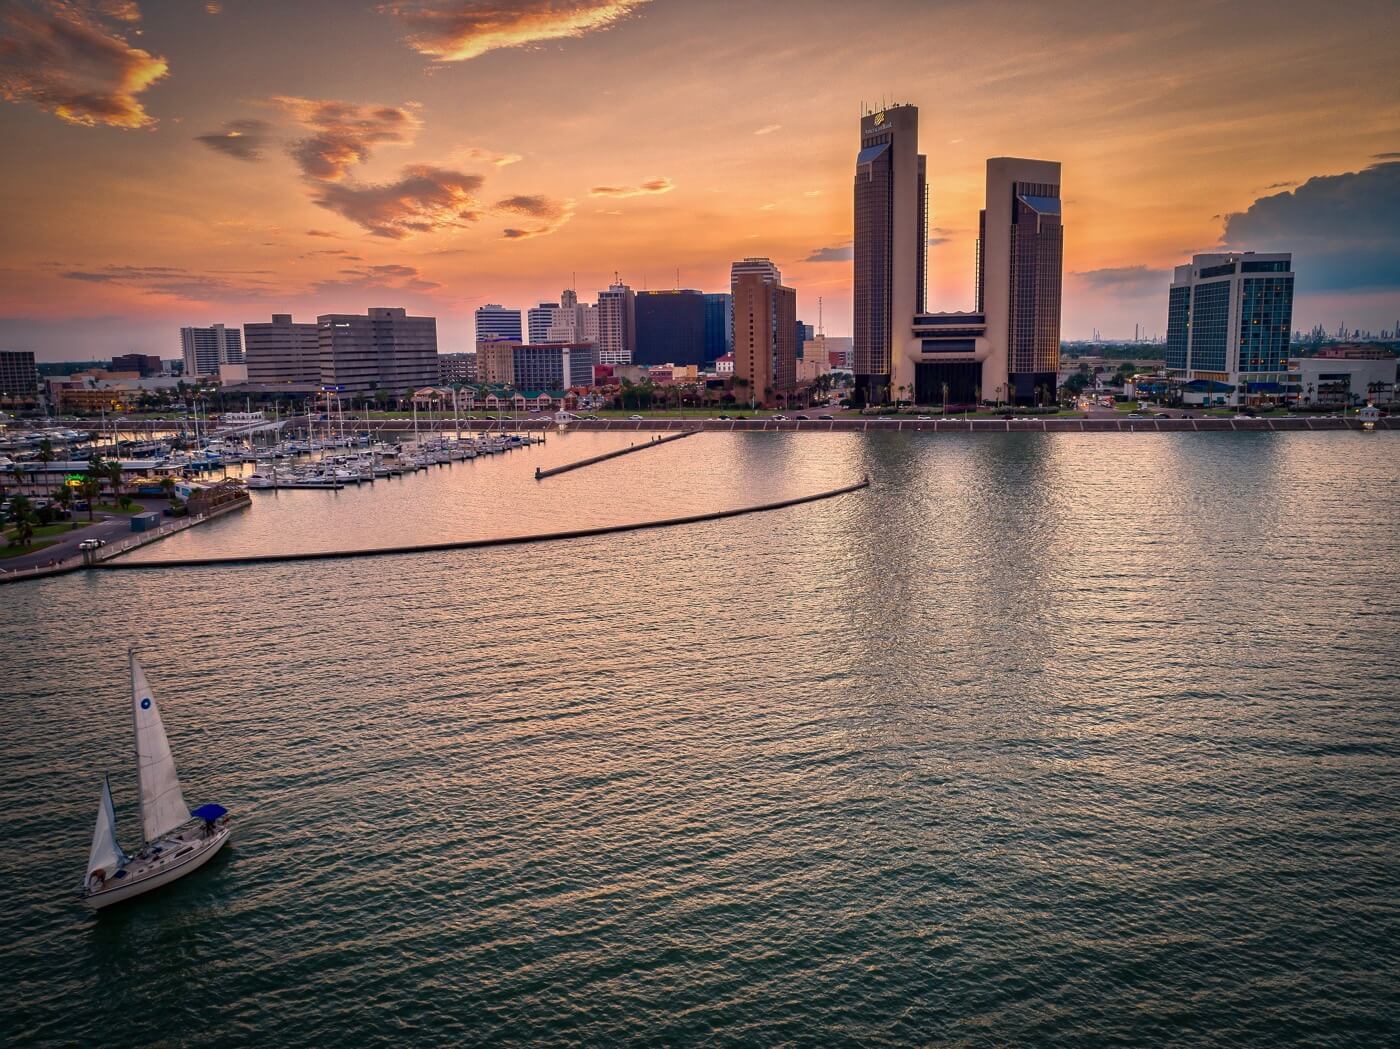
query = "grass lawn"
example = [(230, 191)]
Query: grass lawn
[(44, 531), (15, 551), (113, 508)]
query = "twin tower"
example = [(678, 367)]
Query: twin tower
[(1008, 348)]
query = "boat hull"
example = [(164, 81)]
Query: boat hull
[(163, 875)]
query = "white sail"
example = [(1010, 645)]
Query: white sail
[(106, 855), (163, 807)]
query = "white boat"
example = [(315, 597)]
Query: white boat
[(177, 840)]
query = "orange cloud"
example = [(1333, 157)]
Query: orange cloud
[(344, 133), (552, 213), (424, 200), (654, 185), (457, 30), (62, 59)]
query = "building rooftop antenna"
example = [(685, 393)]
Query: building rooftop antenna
[(820, 330)]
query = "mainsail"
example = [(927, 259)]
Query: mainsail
[(106, 855), (163, 807)]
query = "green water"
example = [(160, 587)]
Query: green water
[(1061, 740)]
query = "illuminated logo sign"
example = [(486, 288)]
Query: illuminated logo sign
[(879, 118)]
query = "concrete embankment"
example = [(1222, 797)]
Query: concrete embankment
[(856, 424), (540, 475), (475, 544)]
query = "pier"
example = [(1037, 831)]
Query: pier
[(540, 475)]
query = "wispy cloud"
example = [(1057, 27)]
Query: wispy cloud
[(768, 129), (835, 253), (500, 160), (457, 30), (344, 132), (61, 57), (178, 283), (241, 139), (653, 185), (551, 214), (423, 200), (1131, 279), (387, 277)]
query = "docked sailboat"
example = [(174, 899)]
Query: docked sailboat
[(177, 840)]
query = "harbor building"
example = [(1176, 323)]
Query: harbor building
[(1229, 316), (19, 376), (719, 324), (765, 336), (384, 349), (282, 351), (617, 324), (494, 321), (670, 327), (1005, 349), (203, 350)]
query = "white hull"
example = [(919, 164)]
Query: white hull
[(145, 875)]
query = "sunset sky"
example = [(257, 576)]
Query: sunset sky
[(182, 162)]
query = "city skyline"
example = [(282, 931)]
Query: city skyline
[(168, 184)]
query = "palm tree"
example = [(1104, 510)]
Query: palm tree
[(63, 496), (23, 517), (91, 488)]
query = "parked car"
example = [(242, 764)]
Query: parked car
[(636, 417), (823, 417), (92, 544), (803, 417)]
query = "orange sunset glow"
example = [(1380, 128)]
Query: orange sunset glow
[(180, 162)]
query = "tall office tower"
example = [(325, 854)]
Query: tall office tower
[(568, 298), (587, 329), (383, 350), (204, 349), (496, 322), (765, 268), (670, 328), (617, 324), (1020, 254), (539, 319), (19, 376), (283, 351), (765, 330), (803, 333), (1228, 323), (891, 234), (719, 324)]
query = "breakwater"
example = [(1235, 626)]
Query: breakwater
[(540, 475)]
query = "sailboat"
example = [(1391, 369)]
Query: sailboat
[(178, 840)]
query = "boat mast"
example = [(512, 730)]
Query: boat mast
[(140, 801)]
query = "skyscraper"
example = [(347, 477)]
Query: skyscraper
[(719, 324), (765, 332), (283, 351), (494, 321), (204, 349), (1020, 255), (383, 350), (670, 327), (1228, 322), (765, 268), (1009, 347), (891, 232), (617, 324)]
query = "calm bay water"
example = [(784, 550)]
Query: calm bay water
[(1073, 740)]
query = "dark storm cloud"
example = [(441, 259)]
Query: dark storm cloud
[(1343, 230), (241, 139)]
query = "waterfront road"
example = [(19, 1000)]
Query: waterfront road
[(107, 527)]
